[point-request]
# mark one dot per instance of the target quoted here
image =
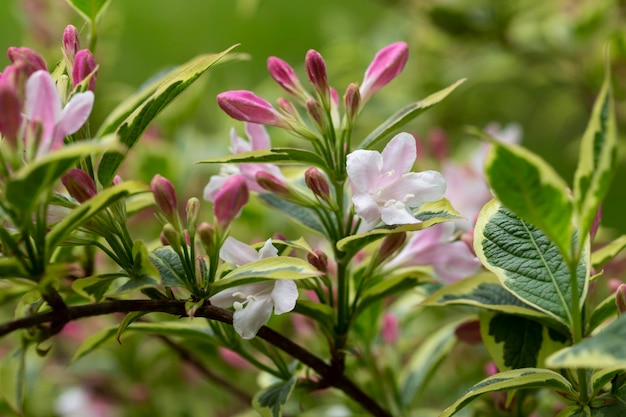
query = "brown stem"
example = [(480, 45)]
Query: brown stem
[(331, 376)]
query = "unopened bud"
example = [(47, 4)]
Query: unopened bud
[(165, 197), (71, 44), (318, 259), (206, 235), (286, 77), (316, 181), (79, 185), (620, 299), (272, 184), (247, 107), (469, 332), (193, 212), (316, 70), (171, 236), (386, 65), (390, 329), (390, 244), (33, 60), (315, 112), (117, 180), (287, 107), (230, 199), (10, 112), (84, 68), (352, 102)]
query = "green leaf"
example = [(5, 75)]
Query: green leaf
[(40, 176), (605, 349), (130, 119), (517, 342), (273, 156), (12, 382), (575, 411), (269, 402), (321, 313), (144, 273), (603, 311), (527, 262), (601, 256), (97, 287), (301, 215), (128, 319), (425, 361), (597, 158), (527, 378), (181, 329), (603, 376), (277, 267), (89, 9), (430, 214), (169, 266), (12, 268), (531, 189), (90, 208), (405, 115)]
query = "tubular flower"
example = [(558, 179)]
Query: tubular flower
[(385, 188), (386, 65), (254, 303)]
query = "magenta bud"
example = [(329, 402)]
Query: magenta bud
[(352, 101), (316, 70), (390, 329), (272, 183), (71, 42), (10, 112), (315, 112), (386, 65), (287, 107), (117, 180), (285, 76), (79, 184), (390, 244), (230, 199), (33, 60), (319, 260), (247, 107), (84, 67), (620, 299), (316, 181), (165, 197)]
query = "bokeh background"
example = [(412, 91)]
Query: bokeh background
[(536, 63)]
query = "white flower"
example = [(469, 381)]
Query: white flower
[(254, 302), (386, 189)]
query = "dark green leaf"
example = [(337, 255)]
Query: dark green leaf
[(387, 287), (302, 215), (269, 402), (273, 156), (169, 265)]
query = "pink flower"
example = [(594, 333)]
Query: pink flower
[(43, 105), (316, 70), (286, 77), (230, 199), (451, 260), (386, 189), (165, 196), (84, 66), (247, 107), (386, 65)]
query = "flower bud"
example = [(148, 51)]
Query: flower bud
[(10, 112), (390, 244), (71, 44), (247, 107), (229, 200), (620, 299), (469, 332), (79, 185), (272, 184), (286, 77), (193, 212), (33, 60), (84, 67), (390, 329), (352, 102), (316, 70), (315, 112), (171, 236), (206, 234), (165, 197), (386, 65), (117, 180), (287, 108), (316, 181), (318, 259)]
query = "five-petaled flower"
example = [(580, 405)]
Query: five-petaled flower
[(385, 188), (254, 302)]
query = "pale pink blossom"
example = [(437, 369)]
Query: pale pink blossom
[(385, 187), (386, 65)]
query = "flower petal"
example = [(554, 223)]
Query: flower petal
[(397, 213), (416, 188), (364, 168), (237, 253), (456, 263), (366, 207), (225, 299), (42, 102), (268, 250), (214, 185), (284, 295), (238, 144), (400, 153), (258, 136), (252, 317), (75, 113)]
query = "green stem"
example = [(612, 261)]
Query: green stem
[(577, 327)]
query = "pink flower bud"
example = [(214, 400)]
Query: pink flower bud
[(390, 244), (316, 70), (247, 107), (165, 197), (352, 101), (318, 259), (287, 107), (79, 184), (272, 184), (316, 114), (71, 42), (33, 60), (390, 329), (10, 112), (620, 299), (230, 199), (117, 180), (316, 181), (84, 66), (469, 332), (386, 65), (285, 76)]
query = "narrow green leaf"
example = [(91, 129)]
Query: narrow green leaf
[(601, 256), (575, 411), (605, 349), (90, 208), (90, 10), (527, 262), (527, 378), (605, 310), (269, 402), (144, 273), (169, 266), (277, 267), (531, 189), (393, 285), (603, 376), (127, 321), (40, 176), (597, 158), (430, 214), (405, 115), (273, 156), (130, 119), (301, 215)]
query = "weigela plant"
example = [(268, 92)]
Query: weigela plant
[(334, 307)]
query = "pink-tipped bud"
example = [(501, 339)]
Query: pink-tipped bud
[(285, 76), (10, 112), (165, 197), (386, 65), (287, 107), (469, 332), (272, 184), (84, 67), (620, 299), (390, 329), (206, 234), (79, 185), (318, 259), (193, 212), (316, 181), (247, 107), (390, 244), (71, 43), (316, 70), (315, 112), (352, 101), (33, 60), (230, 199), (117, 180)]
